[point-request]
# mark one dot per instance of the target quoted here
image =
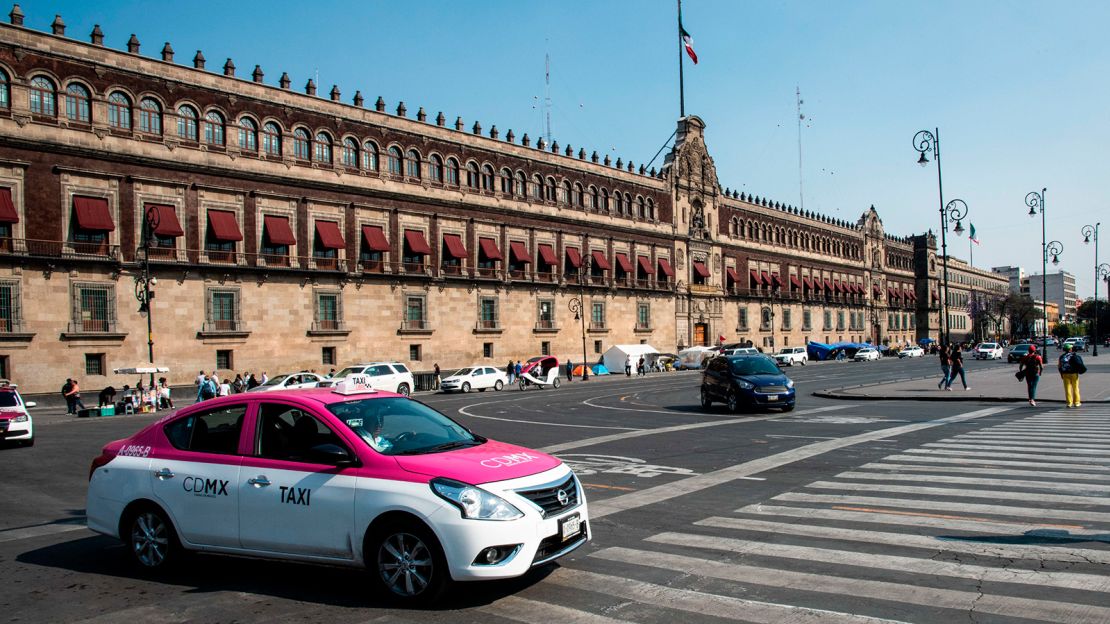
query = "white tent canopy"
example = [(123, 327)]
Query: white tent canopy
[(616, 356), (141, 370)]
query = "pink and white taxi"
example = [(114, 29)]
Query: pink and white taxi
[(339, 475)]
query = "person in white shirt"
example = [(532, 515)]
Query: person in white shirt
[(225, 388)]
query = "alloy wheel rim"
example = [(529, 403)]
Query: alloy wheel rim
[(149, 539), (405, 564)]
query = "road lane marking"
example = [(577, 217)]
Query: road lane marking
[(1039, 497), (933, 459), (896, 563), (1022, 483), (909, 503), (1042, 450), (609, 487), (690, 485), (704, 604), (566, 446), (528, 611), (988, 454), (1010, 606), (978, 470), (884, 514), (22, 533)]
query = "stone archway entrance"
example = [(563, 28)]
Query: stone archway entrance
[(701, 334)]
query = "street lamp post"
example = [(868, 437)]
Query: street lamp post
[(1035, 201), (926, 142), (1102, 272), (1088, 232), (145, 281), (577, 305)]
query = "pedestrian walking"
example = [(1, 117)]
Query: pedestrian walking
[(956, 361), (262, 381), (74, 396), (1030, 368), (225, 388), (1071, 366), (164, 393), (199, 383), (238, 385), (437, 379), (208, 389), (945, 366), (518, 369), (640, 372), (510, 370), (252, 381), (628, 366), (66, 387), (570, 370)]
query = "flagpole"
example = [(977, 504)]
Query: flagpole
[(681, 86), (971, 252)]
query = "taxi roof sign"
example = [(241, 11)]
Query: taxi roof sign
[(354, 384)]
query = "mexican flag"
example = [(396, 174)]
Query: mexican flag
[(687, 41), (974, 239)]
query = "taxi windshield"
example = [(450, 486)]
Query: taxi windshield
[(276, 380), (462, 372), (400, 426), (754, 366), (350, 370), (7, 399)]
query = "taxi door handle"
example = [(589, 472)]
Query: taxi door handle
[(164, 473), (259, 481)]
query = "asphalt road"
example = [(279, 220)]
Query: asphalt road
[(836, 512)]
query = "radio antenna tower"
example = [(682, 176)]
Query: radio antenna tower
[(547, 96), (801, 118)]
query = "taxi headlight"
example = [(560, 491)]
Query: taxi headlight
[(474, 502), (22, 418), (789, 383)]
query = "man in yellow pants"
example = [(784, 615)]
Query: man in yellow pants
[(1071, 366)]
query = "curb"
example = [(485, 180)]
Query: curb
[(840, 395)]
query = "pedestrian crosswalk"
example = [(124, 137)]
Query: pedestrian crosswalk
[(1007, 523)]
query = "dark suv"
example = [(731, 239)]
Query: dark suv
[(746, 381)]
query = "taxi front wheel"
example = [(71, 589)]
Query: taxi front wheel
[(407, 563), (151, 539)]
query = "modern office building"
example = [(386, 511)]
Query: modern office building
[(1059, 288), (293, 230)]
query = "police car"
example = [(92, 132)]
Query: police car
[(16, 425), (342, 475)]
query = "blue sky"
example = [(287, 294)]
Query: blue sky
[(1018, 89)]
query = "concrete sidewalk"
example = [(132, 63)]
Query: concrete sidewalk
[(990, 385)]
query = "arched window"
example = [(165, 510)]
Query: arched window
[(604, 207), (595, 199), (628, 203), (472, 175), (506, 182), (564, 193), (271, 139), (119, 111), (300, 144), (521, 185), (487, 178), (5, 90), (77, 103), (150, 116), (550, 187), (452, 171), (43, 96), (214, 128), (412, 164), (435, 168), (578, 197), (322, 152), (370, 156), (248, 135), (187, 122), (350, 153), (620, 202), (394, 161), (537, 187)]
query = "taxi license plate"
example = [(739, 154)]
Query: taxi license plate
[(570, 526), (773, 397)]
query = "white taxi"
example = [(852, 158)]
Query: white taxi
[(16, 425), (478, 378), (345, 476)]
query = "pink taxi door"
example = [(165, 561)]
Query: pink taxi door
[(296, 497), (197, 478)]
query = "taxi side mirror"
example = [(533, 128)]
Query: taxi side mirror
[(332, 454), (30, 404)]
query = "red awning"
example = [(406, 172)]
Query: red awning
[(699, 268), (624, 263), (777, 280), (890, 292), (223, 226), (168, 225), (330, 236), (756, 278), (574, 257), (645, 264), (795, 282), (375, 238), (876, 290), (547, 255), (828, 286), (912, 295), (417, 243), (520, 252), (277, 230), (665, 266), (841, 287), (766, 277), (93, 214), (732, 276), (808, 282), (489, 248), (455, 247), (600, 261), (7, 207), (935, 296)]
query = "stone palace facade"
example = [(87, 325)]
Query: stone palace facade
[(291, 230)]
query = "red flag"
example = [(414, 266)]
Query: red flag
[(687, 41)]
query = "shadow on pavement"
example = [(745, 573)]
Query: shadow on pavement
[(320, 584)]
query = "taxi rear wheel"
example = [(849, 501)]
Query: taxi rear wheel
[(151, 539), (404, 390), (407, 563), (499, 385)]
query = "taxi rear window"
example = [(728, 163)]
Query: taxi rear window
[(208, 432)]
